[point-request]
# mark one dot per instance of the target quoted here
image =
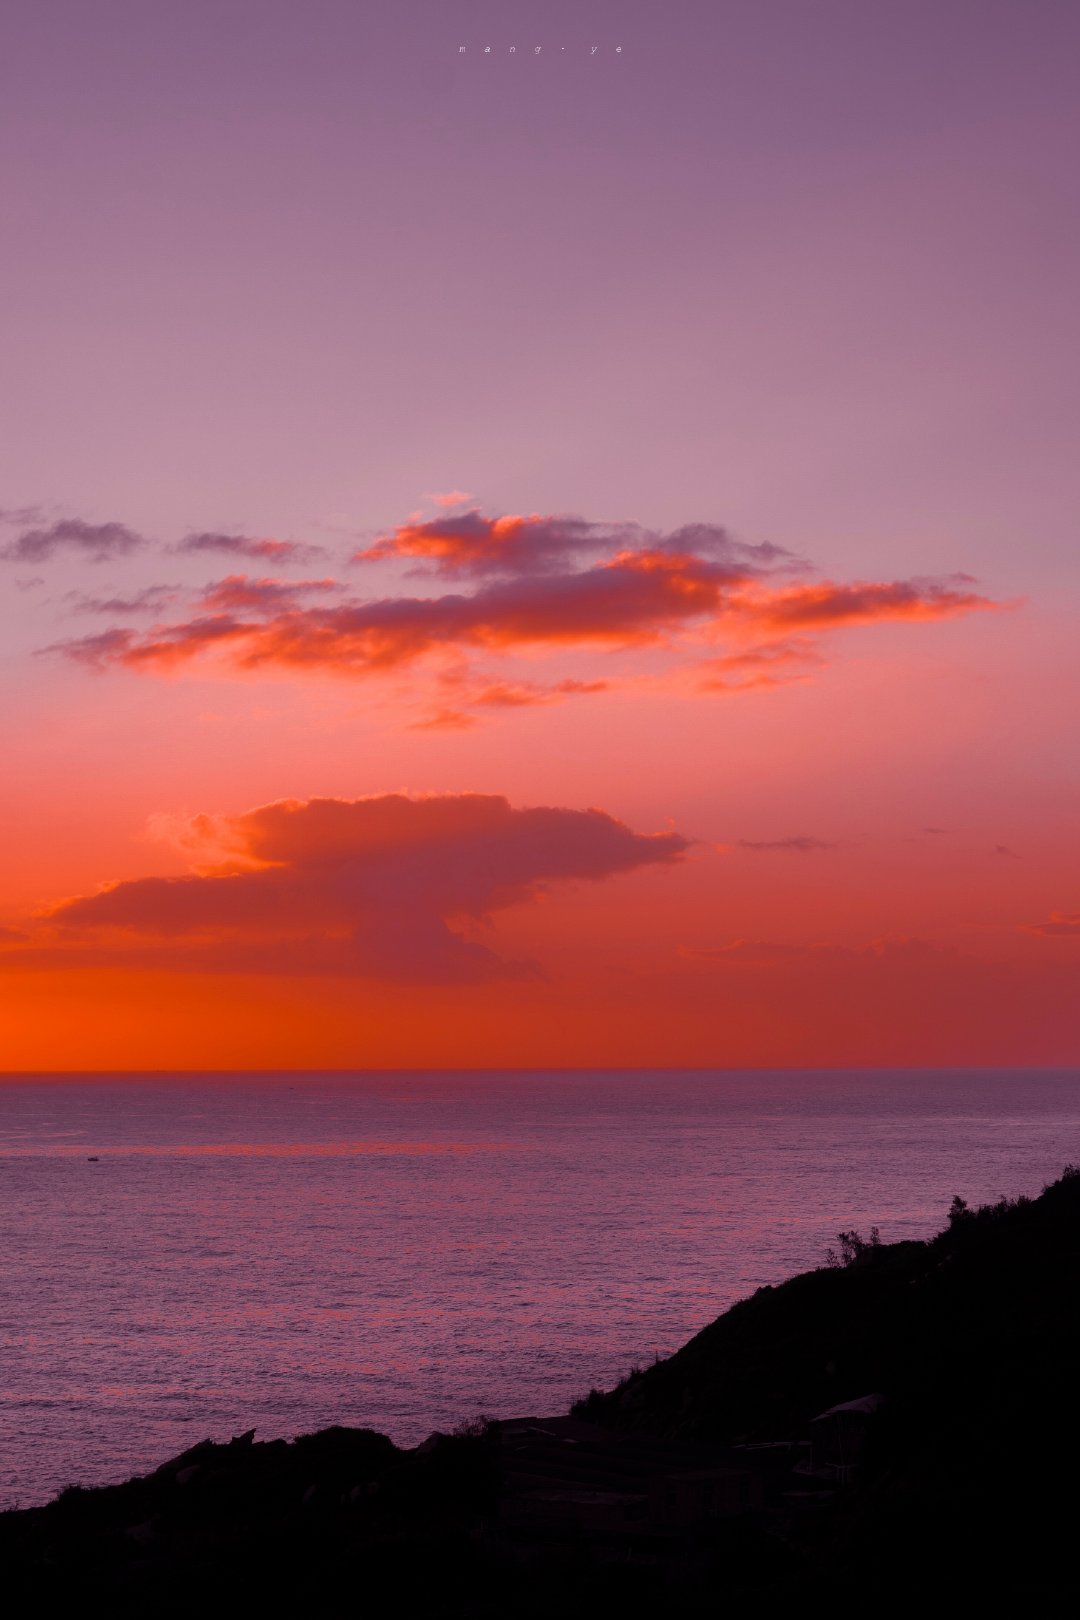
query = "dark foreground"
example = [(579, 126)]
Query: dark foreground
[(898, 1428)]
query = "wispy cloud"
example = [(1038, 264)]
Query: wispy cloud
[(761, 667), (785, 846), (96, 542), (150, 600), (1058, 924), (460, 688), (234, 545), (452, 497), (825, 605), (756, 953), (240, 594), (22, 517)]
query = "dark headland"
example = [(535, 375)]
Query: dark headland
[(898, 1427)]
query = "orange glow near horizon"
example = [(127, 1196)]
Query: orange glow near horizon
[(791, 822)]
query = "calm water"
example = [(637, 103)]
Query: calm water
[(406, 1250)]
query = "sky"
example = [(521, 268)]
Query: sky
[(557, 554)]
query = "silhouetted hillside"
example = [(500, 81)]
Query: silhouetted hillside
[(973, 1342), (930, 1321), (898, 1427)]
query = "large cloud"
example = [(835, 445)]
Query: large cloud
[(703, 613), (639, 599), (635, 599), (378, 888)]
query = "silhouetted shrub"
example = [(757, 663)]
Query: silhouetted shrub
[(853, 1248)]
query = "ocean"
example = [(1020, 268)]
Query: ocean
[(198, 1255)]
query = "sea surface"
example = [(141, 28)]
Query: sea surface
[(192, 1256)]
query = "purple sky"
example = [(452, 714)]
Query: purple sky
[(808, 269)]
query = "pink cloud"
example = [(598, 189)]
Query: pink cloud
[(825, 605), (547, 585), (239, 593), (469, 543), (478, 692), (636, 599)]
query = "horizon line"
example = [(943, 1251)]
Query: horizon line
[(551, 1068)]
